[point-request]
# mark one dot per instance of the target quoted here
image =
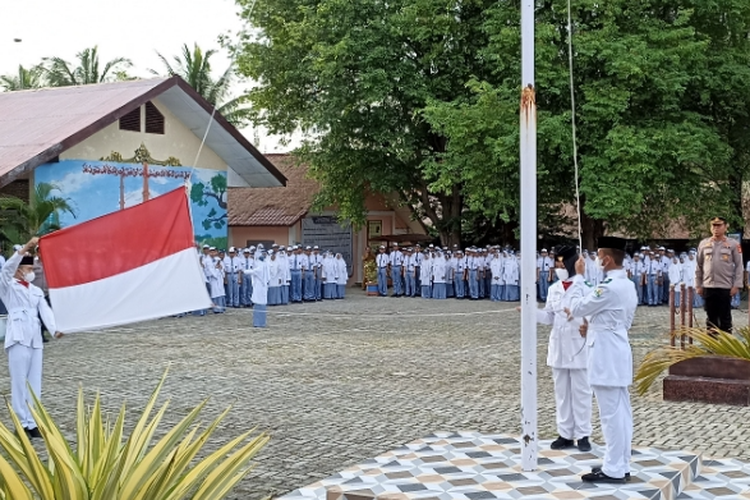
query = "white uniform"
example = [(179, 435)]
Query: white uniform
[(261, 279), (567, 355), (215, 277), (611, 307), (342, 271), (23, 338)]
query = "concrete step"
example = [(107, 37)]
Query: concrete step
[(474, 466)]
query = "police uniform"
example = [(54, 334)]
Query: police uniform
[(610, 308), (718, 270)]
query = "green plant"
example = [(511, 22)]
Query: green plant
[(104, 467), (19, 221), (705, 344)]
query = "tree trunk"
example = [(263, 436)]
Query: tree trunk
[(592, 230)]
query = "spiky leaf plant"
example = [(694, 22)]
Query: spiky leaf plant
[(106, 465), (705, 343)]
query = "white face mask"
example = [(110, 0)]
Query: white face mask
[(562, 274), (29, 277), (598, 263)]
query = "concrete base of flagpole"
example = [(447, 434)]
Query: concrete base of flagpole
[(474, 466)]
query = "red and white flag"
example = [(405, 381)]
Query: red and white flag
[(132, 265)]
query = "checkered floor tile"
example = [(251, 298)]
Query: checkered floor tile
[(473, 466)]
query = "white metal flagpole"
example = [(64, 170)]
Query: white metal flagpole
[(529, 443)]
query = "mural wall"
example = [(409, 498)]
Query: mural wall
[(96, 188)]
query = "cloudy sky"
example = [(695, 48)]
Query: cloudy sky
[(135, 29)]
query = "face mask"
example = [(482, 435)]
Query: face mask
[(562, 274), (598, 263), (29, 277)]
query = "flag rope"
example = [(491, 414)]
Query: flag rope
[(573, 126)]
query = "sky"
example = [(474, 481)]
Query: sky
[(135, 29)]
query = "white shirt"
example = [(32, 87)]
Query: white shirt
[(566, 349), (610, 307), (383, 259), (23, 305)]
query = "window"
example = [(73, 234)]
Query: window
[(131, 121), (154, 120)]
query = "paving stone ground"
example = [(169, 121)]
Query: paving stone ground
[(338, 382)]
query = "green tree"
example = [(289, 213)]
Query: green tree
[(61, 73), (355, 76), (194, 66), (26, 78), (19, 221), (647, 153), (421, 98)]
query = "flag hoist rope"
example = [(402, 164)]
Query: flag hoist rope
[(573, 126)]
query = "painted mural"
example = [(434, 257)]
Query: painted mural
[(96, 188)]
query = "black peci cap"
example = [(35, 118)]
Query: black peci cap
[(27, 260), (612, 243)]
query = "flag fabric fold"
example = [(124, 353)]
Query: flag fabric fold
[(132, 265)]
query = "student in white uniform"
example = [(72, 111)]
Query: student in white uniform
[(438, 276), (216, 281), (232, 267), (23, 337), (246, 288), (329, 275), (343, 275), (496, 268), (261, 279), (675, 278), (276, 275), (611, 307), (567, 355), (426, 276)]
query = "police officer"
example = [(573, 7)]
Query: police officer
[(718, 275)]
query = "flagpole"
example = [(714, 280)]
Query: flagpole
[(529, 443)]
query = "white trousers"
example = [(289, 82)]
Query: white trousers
[(25, 365), (616, 416), (573, 402)]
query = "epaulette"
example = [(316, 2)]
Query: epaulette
[(608, 280), (588, 284)]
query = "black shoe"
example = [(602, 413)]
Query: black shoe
[(599, 469), (583, 444), (33, 433), (601, 477), (561, 443)]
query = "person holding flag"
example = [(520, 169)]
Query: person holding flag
[(23, 336)]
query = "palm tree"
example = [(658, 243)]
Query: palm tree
[(195, 68), (25, 79), (19, 221), (60, 73)]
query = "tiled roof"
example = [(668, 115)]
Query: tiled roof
[(277, 206)]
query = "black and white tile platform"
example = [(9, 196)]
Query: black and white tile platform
[(473, 466)]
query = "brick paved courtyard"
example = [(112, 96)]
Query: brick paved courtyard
[(337, 382)]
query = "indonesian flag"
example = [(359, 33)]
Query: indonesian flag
[(132, 265)]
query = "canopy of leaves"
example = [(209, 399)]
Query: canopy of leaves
[(19, 221), (420, 97)]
